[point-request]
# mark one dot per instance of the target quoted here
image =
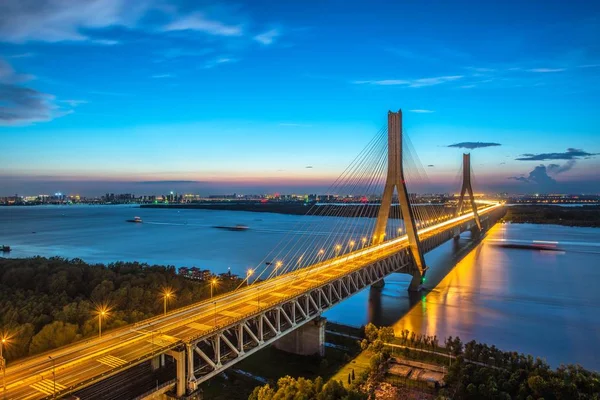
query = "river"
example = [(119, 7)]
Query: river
[(541, 303)]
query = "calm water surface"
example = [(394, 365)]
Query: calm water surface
[(543, 303)]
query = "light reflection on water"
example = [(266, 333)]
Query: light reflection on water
[(542, 303)]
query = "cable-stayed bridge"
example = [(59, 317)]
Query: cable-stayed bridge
[(372, 236)]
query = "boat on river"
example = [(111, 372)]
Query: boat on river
[(137, 220), (232, 228)]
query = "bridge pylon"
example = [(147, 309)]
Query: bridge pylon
[(466, 186), (395, 179)]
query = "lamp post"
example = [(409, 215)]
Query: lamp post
[(321, 253), (364, 241), (213, 283), (351, 244), (167, 294), (3, 364), (102, 311), (337, 249), (215, 303), (248, 275), (53, 377)]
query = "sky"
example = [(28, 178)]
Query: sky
[(242, 96)]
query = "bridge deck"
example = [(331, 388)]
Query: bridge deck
[(83, 363)]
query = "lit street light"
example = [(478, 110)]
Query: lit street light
[(248, 275), (167, 294), (321, 253), (364, 241), (337, 249), (3, 341), (102, 311), (213, 283)]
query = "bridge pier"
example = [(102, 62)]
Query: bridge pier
[(179, 357), (307, 340), (416, 281), (456, 233), (379, 284)]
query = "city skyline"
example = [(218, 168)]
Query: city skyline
[(260, 97)]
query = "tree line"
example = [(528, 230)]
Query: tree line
[(50, 302)]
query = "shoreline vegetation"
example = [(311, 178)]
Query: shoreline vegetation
[(416, 366), (584, 216), (46, 303)]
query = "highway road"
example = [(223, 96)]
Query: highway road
[(81, 364)]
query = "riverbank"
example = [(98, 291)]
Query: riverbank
[(584, 216)]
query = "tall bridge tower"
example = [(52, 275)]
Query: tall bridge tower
[(395, 179), (466, 186)]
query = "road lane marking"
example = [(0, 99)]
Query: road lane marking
[(111, 361), (198, 326), (46, 386), (230, 313)]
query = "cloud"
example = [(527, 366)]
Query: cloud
[(106, 42), (162, 76), (543, 174), (308, 166), (421, 111), (546, 70), (74, 103), (473, 145), (538, 176), (570, 154), (219, 61), (413, 83), (199, 22), (555, 169), (64, 20), (21, 105), (431, 165), (268, 37)]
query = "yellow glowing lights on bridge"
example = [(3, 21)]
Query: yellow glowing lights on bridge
[(280, 263), (103, 311), (167, 293)]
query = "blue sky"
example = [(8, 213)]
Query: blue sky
[(100, 95)]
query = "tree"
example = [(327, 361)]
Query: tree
[(386, 334), (371, 332), (53, 335)]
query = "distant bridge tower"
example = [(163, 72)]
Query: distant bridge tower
[(466, 186), (395, 178)]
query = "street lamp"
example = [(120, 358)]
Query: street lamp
[(351, 244), (364, 241), (337, 249), (213, 283), (280, 263), (248, 275), (53, 377), (3, 341), (215, 303), (102, 312), (167, 294)]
